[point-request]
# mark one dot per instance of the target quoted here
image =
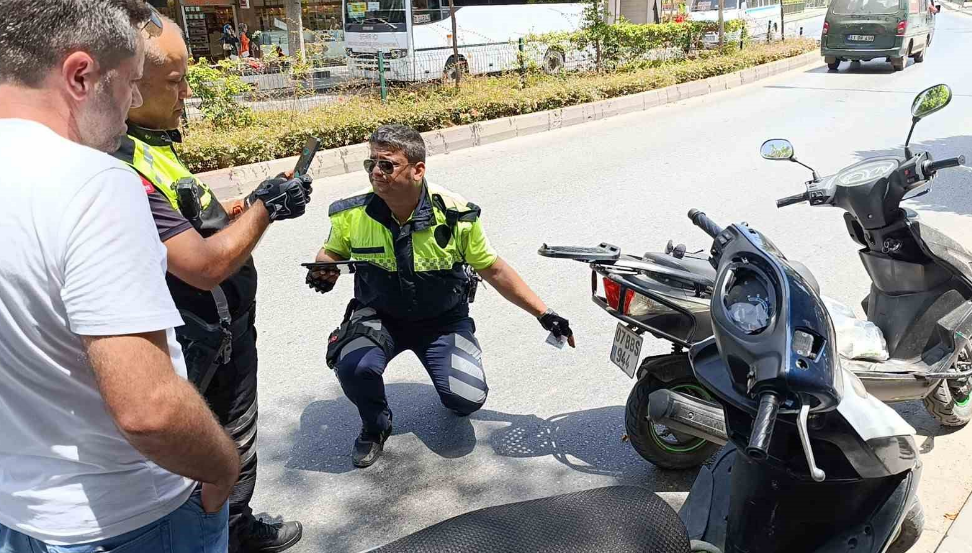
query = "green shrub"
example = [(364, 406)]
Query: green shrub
[(216, 87), (273, 135)]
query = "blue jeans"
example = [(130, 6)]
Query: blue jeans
[(188, 529)]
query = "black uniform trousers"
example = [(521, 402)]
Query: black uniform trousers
[(232, 395)]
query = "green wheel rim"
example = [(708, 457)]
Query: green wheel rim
[(695, 444), (964, 402)]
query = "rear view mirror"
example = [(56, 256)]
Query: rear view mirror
[(931, 100), (777, 149)]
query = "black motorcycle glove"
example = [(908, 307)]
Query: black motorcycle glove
[(306, 181), (559, 326), (319, 283), (284, 198)]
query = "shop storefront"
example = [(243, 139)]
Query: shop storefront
[(322, 23), (321, 20), (203, 22)]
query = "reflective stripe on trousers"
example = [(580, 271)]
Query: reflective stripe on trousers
[(451, 356)]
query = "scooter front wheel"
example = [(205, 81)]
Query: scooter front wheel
[(910, 530), (656, 443)]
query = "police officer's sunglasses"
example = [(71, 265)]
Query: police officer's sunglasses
[(154, 24), (386, 166)]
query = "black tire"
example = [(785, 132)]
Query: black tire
[(920, 56), (950, 404), (684, 452), (834, 66), (911, 528)]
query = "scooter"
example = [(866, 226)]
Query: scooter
[(921, 279), (922, 283), (665, 295), (816, 464)]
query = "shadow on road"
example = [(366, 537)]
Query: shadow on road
[(926, 427), (328, 428), (950, 190), (382, 503), (588, 441), (873, 67)]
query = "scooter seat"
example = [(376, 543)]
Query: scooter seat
[(625, 519)]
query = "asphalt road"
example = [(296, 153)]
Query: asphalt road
[(554, 419)]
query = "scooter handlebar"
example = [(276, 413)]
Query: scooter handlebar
[(933, 167), (700, 220), (759, 441), (794, 199)]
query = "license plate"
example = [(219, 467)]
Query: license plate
[(626, 350), (861, 38)]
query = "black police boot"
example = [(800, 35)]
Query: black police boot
[(368, 447), (267, 537)]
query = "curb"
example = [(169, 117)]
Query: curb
[(958, 539), (237, 181)]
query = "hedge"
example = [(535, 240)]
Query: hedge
[(274, 135), (624, 43)]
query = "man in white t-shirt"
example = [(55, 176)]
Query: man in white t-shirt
[(102, 440)]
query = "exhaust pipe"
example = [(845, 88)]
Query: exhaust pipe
[(688, 415)]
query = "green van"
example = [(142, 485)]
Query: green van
[(863, 30)]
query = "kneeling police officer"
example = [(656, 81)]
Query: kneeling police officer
[(422, 244)]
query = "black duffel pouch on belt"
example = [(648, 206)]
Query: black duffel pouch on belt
[(205, 347), (351, 328)]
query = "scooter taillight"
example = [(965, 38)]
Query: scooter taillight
[(612, 293)]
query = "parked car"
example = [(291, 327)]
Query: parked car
[(864, 30)]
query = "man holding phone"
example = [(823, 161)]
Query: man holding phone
[(211, 275), (420, 245)]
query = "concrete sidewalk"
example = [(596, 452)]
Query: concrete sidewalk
[(806, 14), (958, 539)]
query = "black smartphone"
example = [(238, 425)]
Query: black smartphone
[(306, 156), (343, 267)]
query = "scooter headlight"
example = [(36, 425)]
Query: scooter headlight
[(749, 300)]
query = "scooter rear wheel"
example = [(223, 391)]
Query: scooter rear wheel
[(656, 443), (950, 405)]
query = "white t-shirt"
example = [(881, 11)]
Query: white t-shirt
[(79, 255)]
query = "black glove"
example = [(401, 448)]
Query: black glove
[(559, 326), (305, 181), (283, 198), (318, 284)]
